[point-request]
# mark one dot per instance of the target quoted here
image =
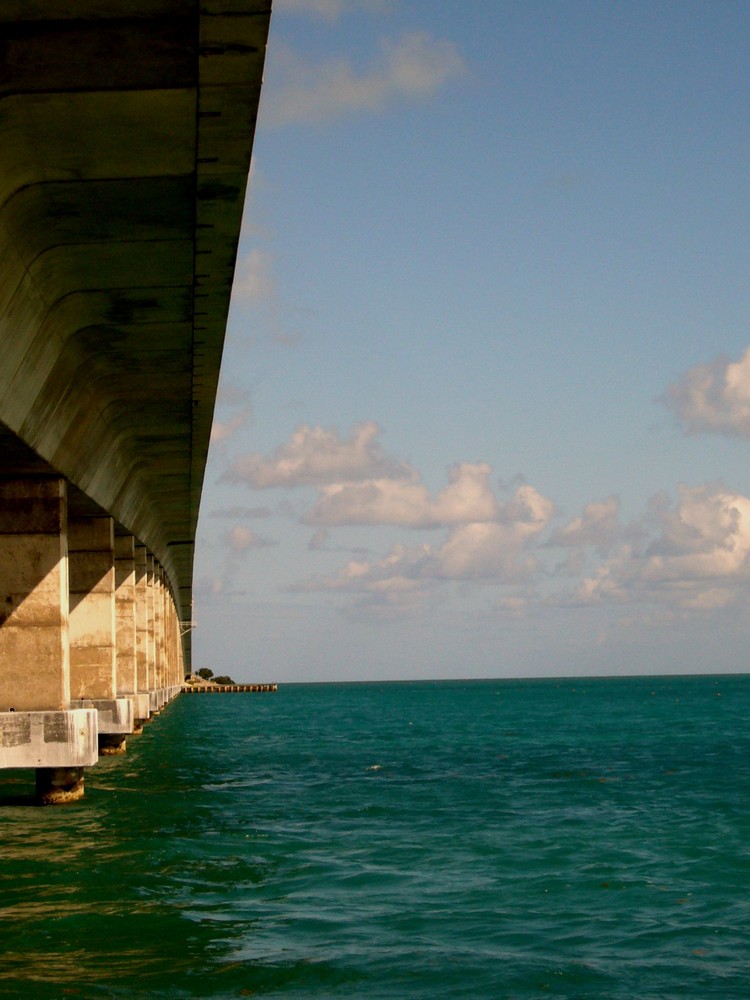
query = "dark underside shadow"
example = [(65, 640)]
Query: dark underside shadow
[(17, 788)]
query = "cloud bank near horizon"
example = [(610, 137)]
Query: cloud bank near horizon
[(689, 554)]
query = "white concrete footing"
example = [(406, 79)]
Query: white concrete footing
[(141, 705), (115, 714), (49, 739)]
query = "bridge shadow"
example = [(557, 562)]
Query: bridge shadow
[(36, 571), (17, 788)]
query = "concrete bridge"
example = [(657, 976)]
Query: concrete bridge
[(126, 129)]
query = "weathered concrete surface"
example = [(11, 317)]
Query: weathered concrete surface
[(143, 699), (160, 664), (141, 617), (49, 739), (125, 138), (125, 616), (92, 608), (162, 696), (141, 707), (116, 715), (158, 699), (34, 657)]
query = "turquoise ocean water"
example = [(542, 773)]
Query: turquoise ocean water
[(487, 839)]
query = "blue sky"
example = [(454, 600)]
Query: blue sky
[(485, 403)]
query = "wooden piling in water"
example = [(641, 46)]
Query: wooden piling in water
[(228, 688)]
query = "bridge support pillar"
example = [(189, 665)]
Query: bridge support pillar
[(155, 701), (38, 729), (93, 674), (126, 659), (176, 669), (142, 707), (160, 645)]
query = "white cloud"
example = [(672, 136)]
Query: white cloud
[(487, 551), (358, 484), (706, 536), (223, 430), (316, 456), (483, 552), (513, 605), (686, 556), (598, 526), (714, 397), (242, 539), (468, 497), (497, 551), (695, 557), (328, 10), (413, 66), (253, 278)]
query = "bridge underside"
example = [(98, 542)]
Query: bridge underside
[(126, 130)]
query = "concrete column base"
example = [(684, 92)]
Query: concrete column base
[(141, 705), (111, 744), (115, 714), (57, 785), (49, 740)]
